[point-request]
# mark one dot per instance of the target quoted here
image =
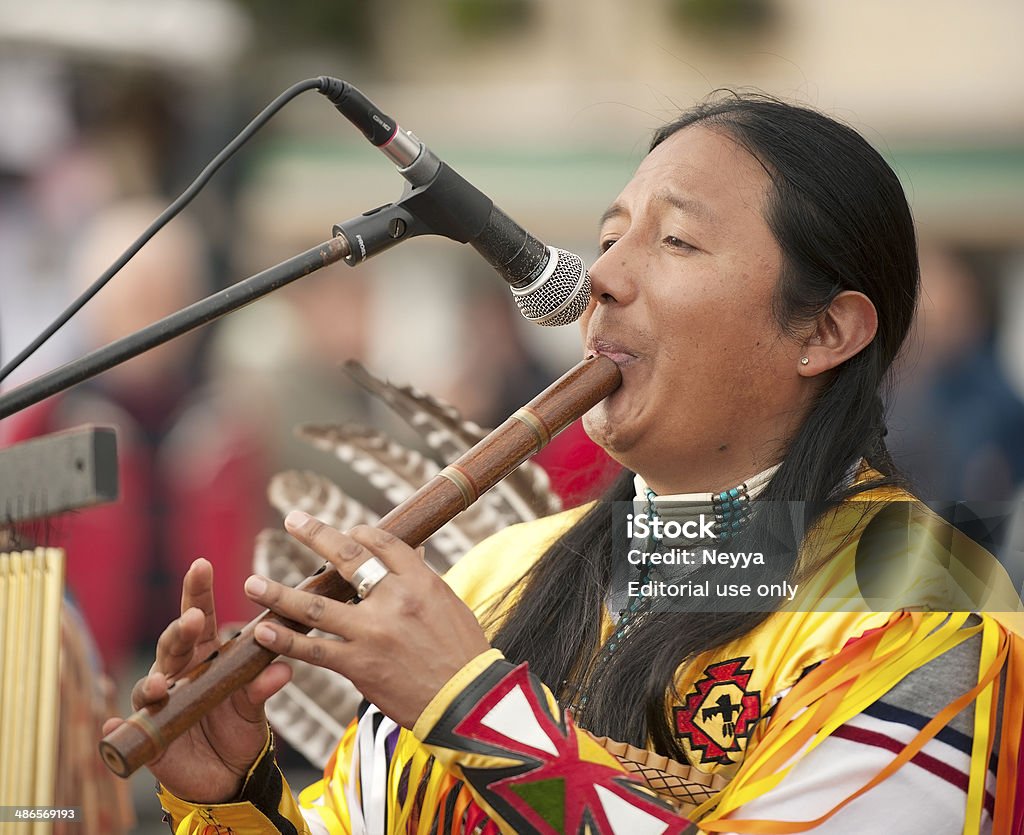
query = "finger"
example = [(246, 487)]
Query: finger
[(343, 552), (261, 688), (111, 725), (176, 645), (322, 652), (314, 610), (394, 553), (197, 592), (150, 689)]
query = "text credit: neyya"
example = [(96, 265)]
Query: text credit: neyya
[(653, 529)]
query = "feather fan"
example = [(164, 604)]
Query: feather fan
[(311, 711)]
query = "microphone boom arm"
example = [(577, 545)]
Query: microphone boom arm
[(449, 206)]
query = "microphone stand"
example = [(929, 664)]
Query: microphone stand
[(444, 205), (213, 307)]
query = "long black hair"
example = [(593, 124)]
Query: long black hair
[(840, 217)]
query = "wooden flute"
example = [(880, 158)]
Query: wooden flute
[(148, 732)]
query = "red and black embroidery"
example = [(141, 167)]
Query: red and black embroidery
[(551, 783), (720, 713)]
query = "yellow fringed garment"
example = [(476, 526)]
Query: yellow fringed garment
[(829, 662), (860, 674)]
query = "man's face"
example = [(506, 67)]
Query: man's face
[(681, 300)]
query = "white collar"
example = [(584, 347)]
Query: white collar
[(755, 484)]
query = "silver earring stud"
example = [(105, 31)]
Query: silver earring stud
[(804, 360)]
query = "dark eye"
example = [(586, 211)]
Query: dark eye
[(678, 243), (607, 244)]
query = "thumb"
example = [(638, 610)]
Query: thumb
[(250, 699)]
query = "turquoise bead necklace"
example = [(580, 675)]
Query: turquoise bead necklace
[(731, 509)]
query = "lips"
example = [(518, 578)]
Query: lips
[(615, 351)]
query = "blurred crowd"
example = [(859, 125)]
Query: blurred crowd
[(956, 421)]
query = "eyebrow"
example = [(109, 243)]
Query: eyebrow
[(683, 204)]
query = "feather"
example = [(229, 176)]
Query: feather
[(322, 499), (438, 423), (527, 490), (396, 471), (311, 711), (319, 497), (283, 558)]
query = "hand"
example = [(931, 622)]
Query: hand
[(208, 763), (402, 643)]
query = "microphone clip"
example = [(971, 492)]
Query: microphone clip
[(447, 205)]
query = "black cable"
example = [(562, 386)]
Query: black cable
[(186, 197)]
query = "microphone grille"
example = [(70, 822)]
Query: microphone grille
[(561, 293)]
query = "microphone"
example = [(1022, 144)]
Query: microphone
[(550, 286)]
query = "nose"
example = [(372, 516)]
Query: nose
[(611, 276)]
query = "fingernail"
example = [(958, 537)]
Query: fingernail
[(296, 520), (264, 634), (256, 585)]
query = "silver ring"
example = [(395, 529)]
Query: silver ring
[(368, 575)]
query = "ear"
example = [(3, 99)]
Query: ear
[(839, 333)]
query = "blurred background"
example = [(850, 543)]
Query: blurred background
[(108, 109)]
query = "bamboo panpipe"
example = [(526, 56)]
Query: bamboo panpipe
[(148, 732), (31, 588)]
